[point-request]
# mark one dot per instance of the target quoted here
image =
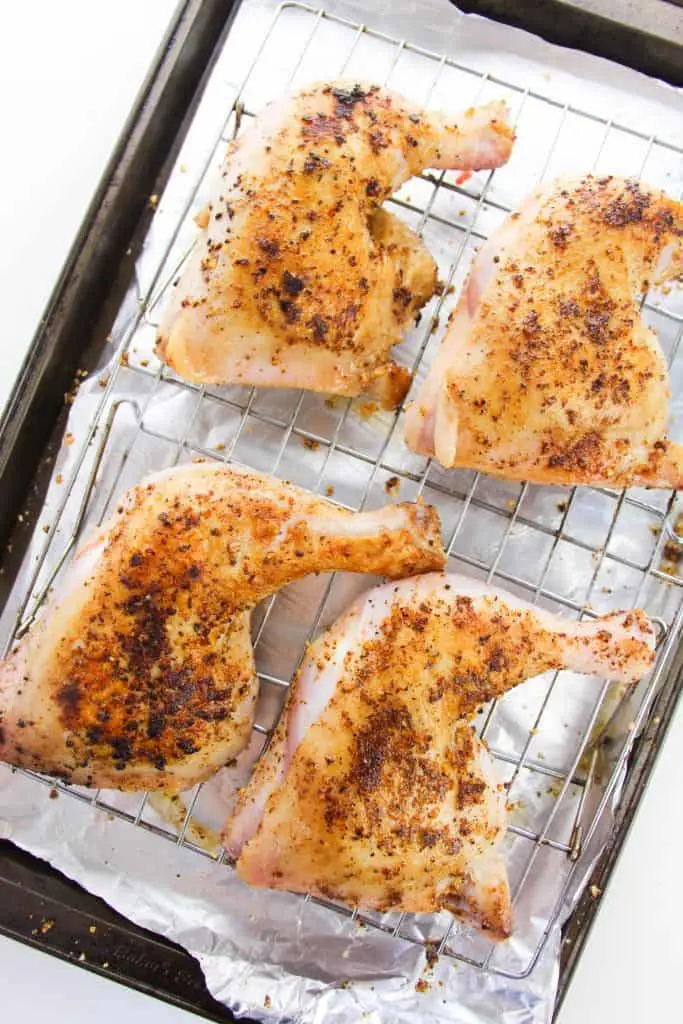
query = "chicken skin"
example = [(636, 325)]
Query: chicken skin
[(299, 278), (375, 790), (140, 673), (547, 372)]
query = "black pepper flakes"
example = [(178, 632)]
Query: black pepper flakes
[(320, 327), (292, 285), (269, 246)]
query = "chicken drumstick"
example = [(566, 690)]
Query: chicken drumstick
[(299, 278), (140, 673), (548, 372), (375, 790)]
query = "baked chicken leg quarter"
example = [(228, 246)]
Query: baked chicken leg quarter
[(548, 372), (375, 790), (299, 278), (140, 673)]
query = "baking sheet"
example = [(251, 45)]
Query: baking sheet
[(575, 552)]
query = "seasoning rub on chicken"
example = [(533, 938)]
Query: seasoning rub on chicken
[(300, 278), (548, 372), (375, 790), (140, 673)]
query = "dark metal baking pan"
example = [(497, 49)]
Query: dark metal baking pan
[(70, 336), (645, 35), (44, 909)]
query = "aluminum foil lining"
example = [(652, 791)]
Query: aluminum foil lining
[(276, 956)]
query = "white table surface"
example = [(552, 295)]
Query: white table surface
[(68, 74)]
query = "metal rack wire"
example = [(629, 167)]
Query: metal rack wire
[(474, 502)]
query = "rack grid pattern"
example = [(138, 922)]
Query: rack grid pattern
[(514, 517)]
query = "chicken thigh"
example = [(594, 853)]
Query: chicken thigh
[(375, 790), (547, 372), (299, 279), (140, 673)]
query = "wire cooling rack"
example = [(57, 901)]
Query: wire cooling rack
[(581, 551)]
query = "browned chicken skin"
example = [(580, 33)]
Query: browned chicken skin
[(140, 674), (547, 372), (299, 278), (375, 789)]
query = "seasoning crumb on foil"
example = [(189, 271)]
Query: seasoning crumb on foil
[(672, 552), (431, 954), (366, 410)]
